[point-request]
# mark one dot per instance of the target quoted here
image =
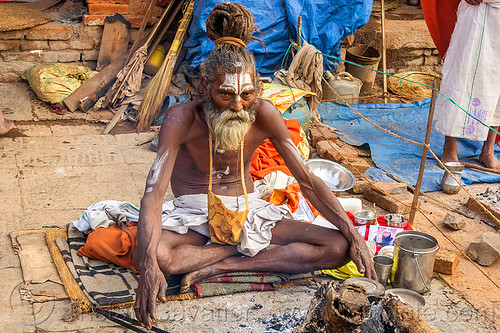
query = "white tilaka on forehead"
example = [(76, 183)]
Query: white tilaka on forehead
[(237, 82)]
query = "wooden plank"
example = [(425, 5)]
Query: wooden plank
[(114, 40)]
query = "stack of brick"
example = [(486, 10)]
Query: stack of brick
[(133, 10), (328, 146)]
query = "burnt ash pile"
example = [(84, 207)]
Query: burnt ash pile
[(346, 308)]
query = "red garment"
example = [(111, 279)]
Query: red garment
[(440, 17), (266, 159)]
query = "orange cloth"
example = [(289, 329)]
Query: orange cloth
[(224, 224), (290, 197), (440, 17), (266, 159), (114, 244)]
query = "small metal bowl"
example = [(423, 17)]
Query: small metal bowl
[(396, 220), (362, 217), (336, 177)]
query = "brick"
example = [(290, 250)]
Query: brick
[(50, 56), (454, 222), (15, 34), (322, 147), (360, 186), (9, 45), (358, 164), (333, 155), (427, 52), (335, 152), (22, 56), (446, 261), (108, 9), (321, 133), (418, 61), (390, 187), (58, 45), (50, 31), (90, 55), (485, 250), (69, 56), (415, 53), (346, 151), (432, 60), (93, 19), (90, 32), (28, 45), (12, 71), (388, 203)]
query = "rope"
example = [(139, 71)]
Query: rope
[(422, 84), (371, 122)]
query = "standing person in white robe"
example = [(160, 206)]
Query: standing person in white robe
[(471, 78)]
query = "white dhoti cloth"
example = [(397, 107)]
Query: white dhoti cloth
[(191, 212), (471, 73)]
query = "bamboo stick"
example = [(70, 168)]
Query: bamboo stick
[(424, 153), (158, 88), (478, 167)]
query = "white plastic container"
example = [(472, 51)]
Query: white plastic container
[(346, 85), (350, 204)]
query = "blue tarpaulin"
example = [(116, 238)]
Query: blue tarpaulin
[(324, 24), (396, 156)]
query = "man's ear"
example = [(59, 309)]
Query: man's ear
[(204, 88)]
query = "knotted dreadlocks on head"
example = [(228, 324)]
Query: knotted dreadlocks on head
[(235, 21)]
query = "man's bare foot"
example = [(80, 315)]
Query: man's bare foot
[(490, 161), (6, 126), (196, 276)]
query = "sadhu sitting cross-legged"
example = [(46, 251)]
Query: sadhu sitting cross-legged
[(204, 153)]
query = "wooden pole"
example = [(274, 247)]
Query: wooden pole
[(384, 48), (416, 193)]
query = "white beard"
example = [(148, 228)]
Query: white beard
[(228, 127)]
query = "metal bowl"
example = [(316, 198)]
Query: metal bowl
[(335, 176), (362, 217), (396, 220)]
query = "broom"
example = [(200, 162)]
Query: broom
[(157, 90)]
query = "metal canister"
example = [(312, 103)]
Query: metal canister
[(448, 184), (414, 256)]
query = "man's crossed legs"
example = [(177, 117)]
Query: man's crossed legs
[(296, 247)]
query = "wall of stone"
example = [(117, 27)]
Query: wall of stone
[(409, 45)]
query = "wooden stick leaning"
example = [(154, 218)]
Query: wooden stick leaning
[(158, 88), (150, 37), (416, 193)]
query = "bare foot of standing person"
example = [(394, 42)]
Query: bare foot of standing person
[(487, 156), (5, 125)]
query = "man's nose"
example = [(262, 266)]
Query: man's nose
[(236, 104)]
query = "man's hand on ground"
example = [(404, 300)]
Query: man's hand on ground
[(361, 257), (152, 285)]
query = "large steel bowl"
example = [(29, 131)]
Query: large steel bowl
[(336, 177)]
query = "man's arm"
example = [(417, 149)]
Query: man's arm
[(152, 283), (315, 190)]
